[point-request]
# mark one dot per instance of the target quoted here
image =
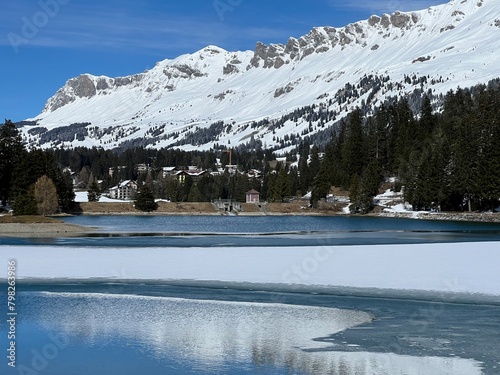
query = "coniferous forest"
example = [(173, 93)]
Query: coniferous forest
[(447, 160)]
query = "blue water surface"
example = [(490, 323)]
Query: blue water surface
[(258, 231)]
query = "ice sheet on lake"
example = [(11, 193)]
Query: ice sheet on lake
[(212, 334), (454, 268)]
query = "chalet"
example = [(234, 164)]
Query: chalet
[(252, 196), (169, 171), (195, 174), (141, 168), (254, 173), (125, 190)]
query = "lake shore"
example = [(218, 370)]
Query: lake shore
[(296, 208), (33, 226), (482, 217)]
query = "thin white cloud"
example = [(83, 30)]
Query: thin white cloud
[(385, 6)]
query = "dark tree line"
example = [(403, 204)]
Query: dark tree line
[(20, 169), (448, 161)]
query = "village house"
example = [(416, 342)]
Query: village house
[(124, 191), (141, 168), (254, 173), (169, 171), (192, 172)]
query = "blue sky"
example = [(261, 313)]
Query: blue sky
[(44, 43)]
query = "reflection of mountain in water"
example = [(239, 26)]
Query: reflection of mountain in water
[(212, 335)]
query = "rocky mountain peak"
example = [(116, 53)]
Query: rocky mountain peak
[(188, 101), (323, 39)]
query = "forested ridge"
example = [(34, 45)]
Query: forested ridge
[(449, 160)]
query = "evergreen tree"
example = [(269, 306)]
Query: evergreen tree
[(321, 184), (145, 200), (25, 204), (353, 152), (427, 121), (173, 189), (303, 169), (314, 163), (12, 151), (282, 186), (94, 192), (194, 194), (354, 192)]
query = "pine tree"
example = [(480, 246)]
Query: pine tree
[(145, 200), (281, 186), (321, 184), (194, 194), (315, 162), (94, 192), (353, 152), (12, 151), (25, 204), (427, 121)]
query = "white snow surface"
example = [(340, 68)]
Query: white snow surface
[(454, 45), (82, 197), (454, 268)]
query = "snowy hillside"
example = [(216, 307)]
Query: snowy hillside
[(218, 97)]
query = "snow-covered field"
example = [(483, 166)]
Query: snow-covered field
[(453, 268), (82, 197)]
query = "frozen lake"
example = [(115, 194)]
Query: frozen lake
[(265, 295)]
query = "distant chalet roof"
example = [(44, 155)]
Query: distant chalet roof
[(253, 191)]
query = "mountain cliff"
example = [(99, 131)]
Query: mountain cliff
[(214, 96)]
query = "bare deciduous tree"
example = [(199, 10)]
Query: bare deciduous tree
[(46, 198)]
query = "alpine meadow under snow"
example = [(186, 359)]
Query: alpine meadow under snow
[(229, 98)]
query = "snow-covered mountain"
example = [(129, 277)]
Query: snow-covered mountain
[(218, 97)]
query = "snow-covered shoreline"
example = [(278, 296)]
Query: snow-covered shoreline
[(466, 268)]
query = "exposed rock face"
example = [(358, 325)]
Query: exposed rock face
[(374, 20), (125, 81), (181, 71), (229, 69), (83, 86), (323, 39), (400, 20), (79, 87), (271, 56), (385, 21), (59, 100), (102, 84)]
